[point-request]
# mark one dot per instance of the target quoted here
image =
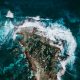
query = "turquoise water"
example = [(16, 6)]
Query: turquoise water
[(14, 66)]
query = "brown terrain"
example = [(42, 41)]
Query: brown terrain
[(41, 55)]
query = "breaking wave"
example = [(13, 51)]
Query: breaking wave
[(54, 31)]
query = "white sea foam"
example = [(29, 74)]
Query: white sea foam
[(54, 32), (9, 14)]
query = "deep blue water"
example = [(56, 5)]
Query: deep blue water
[(55, 9)]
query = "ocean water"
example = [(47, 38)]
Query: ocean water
[(61, 21)]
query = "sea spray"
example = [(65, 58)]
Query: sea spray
[(57, 33)]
